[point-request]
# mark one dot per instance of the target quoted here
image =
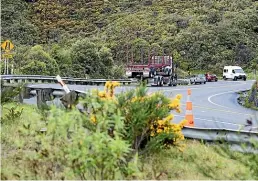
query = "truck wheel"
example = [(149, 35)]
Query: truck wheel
[(170, 83), (244, 78), (150, 75), (224, 77), (235, 79), (161, 82)]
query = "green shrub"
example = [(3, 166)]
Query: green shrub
[(12, 115), (102, 142), (74, 147)]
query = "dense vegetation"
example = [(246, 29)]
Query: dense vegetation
[(100, 142), (114, 137), (200, 34)]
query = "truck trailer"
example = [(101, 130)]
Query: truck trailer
[(159, 68)]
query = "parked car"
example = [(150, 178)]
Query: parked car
[(233, 72), (211, 77), (200, 78)]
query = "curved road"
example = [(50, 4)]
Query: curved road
[(214, 103)]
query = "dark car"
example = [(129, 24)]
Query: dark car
[(211, 77)]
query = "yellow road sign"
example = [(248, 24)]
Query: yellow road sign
[(7, 45), (7, 55)]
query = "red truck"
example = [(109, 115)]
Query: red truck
[(159, 68)]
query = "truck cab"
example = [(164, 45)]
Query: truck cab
[(233, 72)]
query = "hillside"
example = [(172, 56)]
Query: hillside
[(200, 34)]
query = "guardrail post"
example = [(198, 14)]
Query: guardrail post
[(43, 95), (21, 96), (26, 93), (69, 99), (40, 99)]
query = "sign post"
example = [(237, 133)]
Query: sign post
[(7, 46)]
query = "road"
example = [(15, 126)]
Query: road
[(214, 103)]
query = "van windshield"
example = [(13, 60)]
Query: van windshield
[(239, 71)]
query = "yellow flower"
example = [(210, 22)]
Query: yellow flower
[(115, 84), (176, 102), (152, 134), (108, 84), (102, 94), (169, 117), (160, 122), (183, 123), (159, 130), (178, 110), (166, 130), (179, 96), (93, 118), (134, 99)]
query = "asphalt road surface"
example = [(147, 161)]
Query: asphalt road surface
[(214, 103)]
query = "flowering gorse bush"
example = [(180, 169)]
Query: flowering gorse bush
[(147, 116), (101, 141)]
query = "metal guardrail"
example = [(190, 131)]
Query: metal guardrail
[(243, 141), (12, 79), (232, 136)]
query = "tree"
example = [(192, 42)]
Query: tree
[(15, 24), (91, 59), (39, 62), (62, 56)]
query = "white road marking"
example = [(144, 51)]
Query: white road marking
[(214, 95), (213, 121), (196, 88), (220, 110)]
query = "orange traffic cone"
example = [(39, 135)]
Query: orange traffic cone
[(189, 110)]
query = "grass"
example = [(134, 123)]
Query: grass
[(252, 76), (197, 160)]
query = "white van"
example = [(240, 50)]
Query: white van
[(233, 72)]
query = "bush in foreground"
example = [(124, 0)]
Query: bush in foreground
[(103, 142)]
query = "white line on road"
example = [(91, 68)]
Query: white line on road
[(213, 121), (193, 87), (220, 110), (240, 126), (214, 95)]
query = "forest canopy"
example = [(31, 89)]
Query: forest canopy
[(200, 34)]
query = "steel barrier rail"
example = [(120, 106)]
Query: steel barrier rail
[(12, 79), (241, 141), (231, 136)]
